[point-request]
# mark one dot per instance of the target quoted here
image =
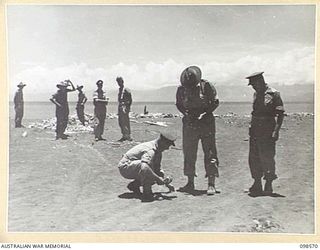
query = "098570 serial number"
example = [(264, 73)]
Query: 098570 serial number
[(308, 246)]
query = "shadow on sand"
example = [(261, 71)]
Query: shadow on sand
[(274, 195), (129, 196), (158, 196), (197, 192)]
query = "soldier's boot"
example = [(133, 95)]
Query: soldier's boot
[(268, 188), (256, 188), (61, 136), (211, 185), (147, 195), (134, 186), (100, 138), (189, 187), (128, 138), (64, 137)]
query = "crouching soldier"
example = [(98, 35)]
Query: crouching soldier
[(142, 163)]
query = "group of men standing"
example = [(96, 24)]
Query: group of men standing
[(196, 99), (100, 101)]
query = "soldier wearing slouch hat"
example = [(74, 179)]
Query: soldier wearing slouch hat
[(196, 99), (60, 99)]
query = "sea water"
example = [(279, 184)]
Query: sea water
[(45, 110)]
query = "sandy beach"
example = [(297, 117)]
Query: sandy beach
[(74, 185)]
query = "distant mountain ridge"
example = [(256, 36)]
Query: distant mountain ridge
[(289, 93), (232, 93)]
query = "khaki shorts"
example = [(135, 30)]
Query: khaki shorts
[(130, 169)]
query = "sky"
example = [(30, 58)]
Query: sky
[(150, 45)]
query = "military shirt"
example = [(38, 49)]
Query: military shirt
[(147, 152), (202, 98), (61, 97), (265, 108), (18, 98), (268, 104), (81, 97), (99, 94), (124, 97)]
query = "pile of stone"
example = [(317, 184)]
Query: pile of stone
[(154, 115), (264, 225), (74, 125), (300, 115)]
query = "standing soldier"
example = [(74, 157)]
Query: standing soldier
[(60, 99), (125, 101), (266, 121), (196, 99), (18, 105), (100, 110), (82, 99)]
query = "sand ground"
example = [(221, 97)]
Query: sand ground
[(74, 185)]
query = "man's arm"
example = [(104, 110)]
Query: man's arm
[(96, 99), (157, 165), (127, 101), (279, 120), (213, 100), (152, 175), (279, 109), (54, 101), (179, 101), (211, 92), (129, 97), (101, 100), (72, 86), (152, 160), (15, 99), (84, 99)]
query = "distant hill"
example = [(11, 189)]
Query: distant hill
[(232, 93), (290, 93)]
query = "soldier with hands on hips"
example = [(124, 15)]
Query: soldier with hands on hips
[(60, 99), (82, 99)]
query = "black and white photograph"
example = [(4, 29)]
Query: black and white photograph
[(161, 118)]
